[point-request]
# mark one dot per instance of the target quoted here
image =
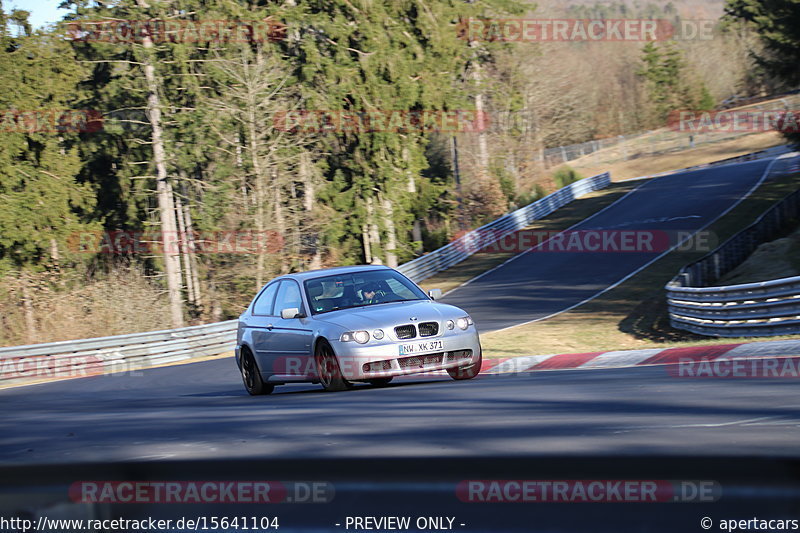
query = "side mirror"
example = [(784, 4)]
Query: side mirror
[(292, 312), (435, 294)]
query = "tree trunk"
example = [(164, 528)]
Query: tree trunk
[(483, 142), (280, 218), (416, 236), (260, 188), (367, 247), (391, 237), (185, 252), (166, 205), (374, 233), (27, 307), (192, 247), (307, 175)]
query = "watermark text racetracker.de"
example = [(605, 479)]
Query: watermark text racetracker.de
[(729, 368), (735, 121), (176, 31), (182, 492), (490, 240), (43, 367), (380, 120), (584, 30), (50, 121), (587, 491), (124, 242)]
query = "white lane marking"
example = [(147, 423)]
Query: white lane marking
[(647, 221), (626, 278), (609, 206), (625, 358), (717, 425)]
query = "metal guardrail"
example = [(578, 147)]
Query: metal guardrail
[(120, 353), (626, 147), (746, 310), (125, 353), (477, 239)]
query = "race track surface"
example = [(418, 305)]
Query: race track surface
[(538, 284), (201, 411)]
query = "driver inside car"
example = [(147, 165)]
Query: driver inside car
[(370, 294)]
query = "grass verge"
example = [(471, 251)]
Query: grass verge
[(653, 164), (634, 314)]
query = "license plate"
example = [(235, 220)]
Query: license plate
[(420, 347)]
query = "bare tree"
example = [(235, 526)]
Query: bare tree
[(251, 98)]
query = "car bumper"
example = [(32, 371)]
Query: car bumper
[(362, 362)]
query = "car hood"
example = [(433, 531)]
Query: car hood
[(390, 314)]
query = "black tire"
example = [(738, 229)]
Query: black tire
[(466, 372), (251, 376), (328, 369), (380, 382)]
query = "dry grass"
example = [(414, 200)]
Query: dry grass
[(654, 164), (634, 314), (772, 260), (119, 302)]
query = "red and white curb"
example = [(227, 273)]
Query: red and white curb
[(628, 358)]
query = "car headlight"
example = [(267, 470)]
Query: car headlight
[(464, 322), (377, 334), (361, 337), (450, 324)]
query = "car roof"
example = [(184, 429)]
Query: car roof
[(309, 274)]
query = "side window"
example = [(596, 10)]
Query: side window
[(288, 296), (263, 305)]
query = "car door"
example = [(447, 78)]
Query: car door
[(261, 323), (289, 346)]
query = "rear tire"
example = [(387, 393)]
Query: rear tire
[(251, 376), (328, 369), (380, 382), (466, 372)]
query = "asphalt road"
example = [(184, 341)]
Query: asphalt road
[(402, 449), (201, 411), (541, 283)]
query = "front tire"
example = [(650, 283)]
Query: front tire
[(328, 369), (251, 376), (466, 372)]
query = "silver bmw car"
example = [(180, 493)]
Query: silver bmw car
[(343, 325)]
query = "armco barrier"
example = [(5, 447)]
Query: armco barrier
[(469, 243), (747, 310), (19, 364), (24, 364)]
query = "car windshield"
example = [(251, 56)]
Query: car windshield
[(358, 289)]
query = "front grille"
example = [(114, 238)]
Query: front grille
[(458, 354), (428, 329), (406, 332), (421, 361)]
